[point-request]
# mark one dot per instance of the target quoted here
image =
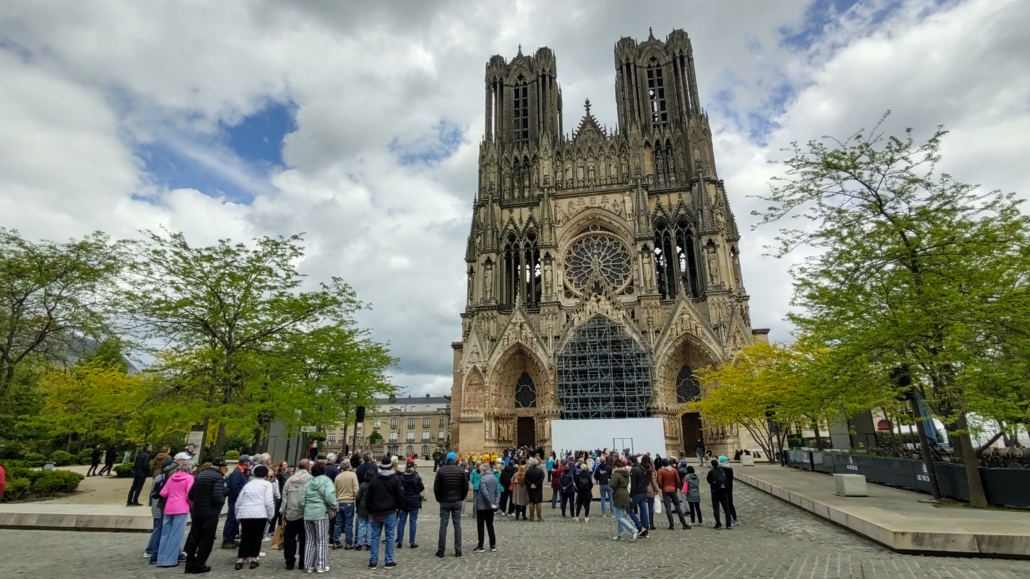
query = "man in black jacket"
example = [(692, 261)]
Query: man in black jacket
[(450, 488), (719, 482), (208, 496), (140, 472), (385, 495), (365, 466), (603, 476), (638, 483), (507, 474), (94, 460)]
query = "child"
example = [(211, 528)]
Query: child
[(692, 493)]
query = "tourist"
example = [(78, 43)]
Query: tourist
[(385, 496), (233, 485), (507, 506), (173, 522), (486, 504), (450, 489), (361, 513), (603, 475), (535, 488), (584, 492), (282, 474), (293, 514), (109, 458), (255, 505), (699, 451), (208, 497), (692, 494), (158, 461), (639, 484), (554, 474), (347, 487), (318, 500), (94, 460), (669, 483), (140, 474), (366, 466), (474, 480), (652, 488), (520, 493), (718, 484), (355, 461), (413, 488), (724, 464), (621, 502), (567, 488), (157, 510)]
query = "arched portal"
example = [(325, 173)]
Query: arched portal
[(688, 390), (603, 373)]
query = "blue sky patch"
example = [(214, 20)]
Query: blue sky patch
[(430, 147), (259, 137), (818, 16)]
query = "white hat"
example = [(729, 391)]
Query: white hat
[(183, 456)]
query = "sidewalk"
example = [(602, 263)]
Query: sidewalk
[(904, 521)]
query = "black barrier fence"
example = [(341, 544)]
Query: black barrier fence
[(1003, 486)]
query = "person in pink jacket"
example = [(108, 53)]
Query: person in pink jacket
[(175, 495)]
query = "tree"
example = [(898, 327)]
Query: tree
[(914, 269), (52, 294), (222, 315)]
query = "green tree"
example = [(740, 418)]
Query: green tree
[(50, 295), (913, 269), (222, 315)]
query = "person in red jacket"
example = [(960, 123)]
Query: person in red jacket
[(669, 481), (3, 481)]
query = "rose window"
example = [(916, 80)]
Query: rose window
[(597, 262)]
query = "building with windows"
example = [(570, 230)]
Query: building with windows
[(402, 425), (603, 265)]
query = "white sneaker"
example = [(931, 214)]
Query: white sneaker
[(616, 538), (262, 554), (266, 539), (633, 537), (586, 519)]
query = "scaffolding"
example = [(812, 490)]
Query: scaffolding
[(603, 373)]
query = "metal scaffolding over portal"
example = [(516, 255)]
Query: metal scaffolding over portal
[(603, 373)]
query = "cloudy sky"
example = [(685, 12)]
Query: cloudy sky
[(358, 123)]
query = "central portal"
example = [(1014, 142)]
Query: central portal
[(527, 432)]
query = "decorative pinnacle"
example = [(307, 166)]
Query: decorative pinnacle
[(520, 50), (650, 32), (586, 105)]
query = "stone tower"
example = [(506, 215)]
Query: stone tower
[(603, 264)]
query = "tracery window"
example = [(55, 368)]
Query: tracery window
[(656, 93), (525, 392), (687, 387), (595, 262), (676, 261), (522, 271), (520, 118)]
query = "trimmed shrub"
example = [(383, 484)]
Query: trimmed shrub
[(16, 488), (19, 472), (85, 457), (232, 455), (61, 457), (123, 470), (34, 460)]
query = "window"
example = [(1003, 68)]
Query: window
[(411, 449), (687, 388), (411, 436), (425, 435), (525, 392), (440, 435), (393, 422), (411, 423), (425, 422), (425, 449), (393, 437), (331, 438), (656, 93), (442, 422), (377, 423), (520, 118)]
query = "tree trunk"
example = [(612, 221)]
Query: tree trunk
[(818, 437), (220, 440), (977, 497)]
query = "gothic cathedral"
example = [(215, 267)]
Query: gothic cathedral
[(603, 266)]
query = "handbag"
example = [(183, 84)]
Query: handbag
[(277, 538)]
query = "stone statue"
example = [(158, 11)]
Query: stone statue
[(488, 283), (713, 266), (471, 284), (548, 283)]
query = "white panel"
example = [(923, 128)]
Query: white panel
[(647, 434)]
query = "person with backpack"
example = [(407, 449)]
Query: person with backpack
[(293, 515), (692, 494), (584, 492), (718, 484), (412, 486), (725, 465), (176, 507), (157, 510), (361, 535), (208, 497), (567, 488)]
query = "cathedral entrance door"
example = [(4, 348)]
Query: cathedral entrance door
[(692, 431), (527, 432)]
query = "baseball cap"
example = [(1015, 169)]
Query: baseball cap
[(218, 462), (452, 456), (244, 458)]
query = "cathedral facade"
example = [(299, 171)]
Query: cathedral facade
[(603, 265)]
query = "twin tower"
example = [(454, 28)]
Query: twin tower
[(603, 266)]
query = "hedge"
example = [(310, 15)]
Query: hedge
[(16, 488), (40, 483), (232, 455), (61, 458), (86, 456), (123, 470)]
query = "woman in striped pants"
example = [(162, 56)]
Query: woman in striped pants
[(318, 499)]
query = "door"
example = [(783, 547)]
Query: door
[(527, 432), (692, 431)]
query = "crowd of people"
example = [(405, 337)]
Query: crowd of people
[(355, 504)]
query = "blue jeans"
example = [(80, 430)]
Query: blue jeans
[(155, 539), (412, 516), (390, 524), (344, 523), (622, 521), (362, 534), (606, 494), (172, 529), (554, 498), (640, 502), (229, 531)]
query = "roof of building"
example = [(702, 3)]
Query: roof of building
[(427, 399)]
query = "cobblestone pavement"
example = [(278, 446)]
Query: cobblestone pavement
[(774, 540)]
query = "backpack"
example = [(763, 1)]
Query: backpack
[(155, 492), (719, 476)]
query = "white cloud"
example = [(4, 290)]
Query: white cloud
[(85, 84)]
